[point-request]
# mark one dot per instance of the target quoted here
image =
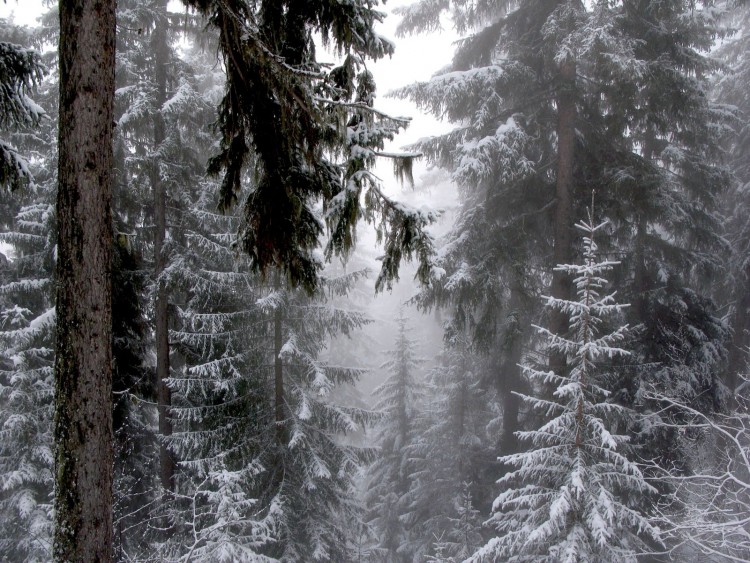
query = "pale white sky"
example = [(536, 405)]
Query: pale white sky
[(24, 13)]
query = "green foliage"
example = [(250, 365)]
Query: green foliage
[(308, 133)]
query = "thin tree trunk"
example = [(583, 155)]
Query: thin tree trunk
[(83, 364), (640, 274), (463, 399), (161, 329), (566, 139), (510, 382), (737, 362), (278, 370)]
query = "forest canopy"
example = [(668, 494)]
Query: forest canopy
[(187, 286)]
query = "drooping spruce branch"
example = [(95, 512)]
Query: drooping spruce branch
[(303, 132)]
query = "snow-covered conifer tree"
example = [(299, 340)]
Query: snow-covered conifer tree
[(452, 453), (312, 466), (21, 69), (27, 325), (27, 333), (390, 476), (574, 495), (644, 128), (731, 89), (264, 469)]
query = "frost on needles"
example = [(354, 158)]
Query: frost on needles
[(573, 496)]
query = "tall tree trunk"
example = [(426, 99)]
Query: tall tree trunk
[(161, 329), (566, 140), (640, 273), (83, 364), (510, 380), (737, 363), (278, 372), (458, 441)]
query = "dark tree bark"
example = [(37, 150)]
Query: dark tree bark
[(511, 380), (737, 363), (83, 365), (640, 272), (278, 374), (566, 140), (161, 324), (278, 371)]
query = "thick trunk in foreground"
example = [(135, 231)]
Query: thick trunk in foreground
[(566, 140), (83, 365), (161, 328)]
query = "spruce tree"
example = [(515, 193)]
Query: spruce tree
[(210, 426), (313, 469), (21, 69), (310, 134), (730, 89), (515, 89), (647, 140), (159, 145), (574, 496), (258, 434), (27, 339), (390, 477), (452, 454), (220, 402), (26, 379)]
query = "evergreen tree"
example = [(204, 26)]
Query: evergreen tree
[(27, 336), (161, 117), (452, 455), (280, 467), (390, 477), (313, 470), (574, 496), (647, 139), (666, 216), (27, 286), (289, 117), (27, 381), (21, 69), (211, 420), (730, 89), (515, 90), (220, 402), (226, 412)]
